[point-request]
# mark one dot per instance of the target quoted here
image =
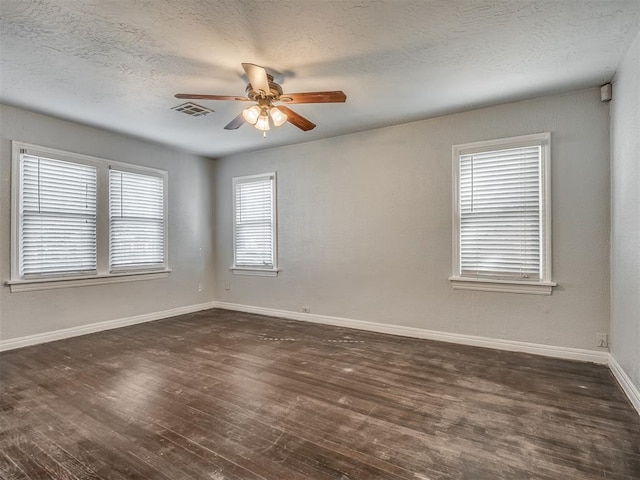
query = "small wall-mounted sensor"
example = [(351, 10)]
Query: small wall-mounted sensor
[(605, 92)]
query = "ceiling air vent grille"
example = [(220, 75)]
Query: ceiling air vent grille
[(193, 109)]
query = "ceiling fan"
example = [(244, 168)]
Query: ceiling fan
[(266, 93)]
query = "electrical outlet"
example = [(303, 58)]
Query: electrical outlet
[(602, 340), (306, 310), (227, 285), (199, 287)]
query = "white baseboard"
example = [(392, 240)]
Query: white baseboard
[(601, 357), (20, 342), (625, 382)]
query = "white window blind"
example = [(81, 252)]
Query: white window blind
[(500, 208), (136, 220), (254, 221), (57, 217)]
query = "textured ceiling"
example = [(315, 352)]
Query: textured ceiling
[(117, 63)]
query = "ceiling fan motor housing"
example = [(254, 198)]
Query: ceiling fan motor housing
[(274, 93)]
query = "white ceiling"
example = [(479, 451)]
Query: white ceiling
[(117, 63)]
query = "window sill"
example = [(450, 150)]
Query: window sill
[(260, 272), (82, 281), (507, 286)]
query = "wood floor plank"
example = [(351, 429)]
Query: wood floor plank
[(228, 395), (26, 463), (9, 469)]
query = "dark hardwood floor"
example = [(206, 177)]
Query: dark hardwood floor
[(221, 395)]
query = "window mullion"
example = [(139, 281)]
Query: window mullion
[(103, 219)]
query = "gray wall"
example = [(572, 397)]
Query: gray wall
[(365, 225), (190, 232), (625, 215)]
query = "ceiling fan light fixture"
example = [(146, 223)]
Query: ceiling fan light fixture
[(277, 116), (263, 122), (252, 114), (263, 91)]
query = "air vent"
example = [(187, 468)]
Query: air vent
[(193, 109)]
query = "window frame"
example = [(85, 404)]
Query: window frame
[(149, 172), (103, 274), (256, 270), (545, 284), (54, 197)]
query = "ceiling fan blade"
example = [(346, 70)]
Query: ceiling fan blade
[(235, 123), (297, 119), (337, 96), (198, 96), (257, 77)]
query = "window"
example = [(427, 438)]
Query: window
[(136, 220), (502, 237), (254, 225), (80, 220), (57, 217)]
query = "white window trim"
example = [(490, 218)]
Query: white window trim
[(546, 284), (255, 271), (251, 270), (83, 281), (103, 274)]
